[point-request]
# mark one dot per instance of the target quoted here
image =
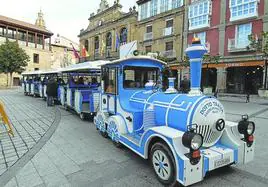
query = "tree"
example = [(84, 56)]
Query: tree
[(261, 46), (13, 59)]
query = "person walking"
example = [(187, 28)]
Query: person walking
[(52, 89), (247, 97), (185, 85)]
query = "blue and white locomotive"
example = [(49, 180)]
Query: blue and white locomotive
[(184, 135)]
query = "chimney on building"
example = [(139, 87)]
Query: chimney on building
[(40, 22)]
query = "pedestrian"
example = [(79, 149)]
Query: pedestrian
[(216, 93), (185, 85), (52, 89), (247, 97)]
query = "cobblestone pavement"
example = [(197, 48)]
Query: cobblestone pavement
[(76, 155), (30, 120)]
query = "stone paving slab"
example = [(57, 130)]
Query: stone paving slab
[(27, 116), (76, 155)]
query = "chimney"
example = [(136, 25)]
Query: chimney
[(195, 53), (171, 85)]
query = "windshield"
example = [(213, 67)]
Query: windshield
[(137, 77)]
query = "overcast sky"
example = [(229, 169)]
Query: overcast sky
[(65, 17)]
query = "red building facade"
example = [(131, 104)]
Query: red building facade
[(223, 26)]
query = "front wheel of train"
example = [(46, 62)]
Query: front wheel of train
[(104, 134), (163, 164)]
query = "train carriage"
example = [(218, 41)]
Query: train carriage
[(30, 82), (183, 135), (45, 76), (82, 94)]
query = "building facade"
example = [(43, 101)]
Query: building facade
[(160, 27), (223, 26), (44, 52), (62, 52), (107, 30), (34, 39)]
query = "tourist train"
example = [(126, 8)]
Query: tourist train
[(183, 135)]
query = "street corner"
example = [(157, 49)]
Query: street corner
[(30, 123)]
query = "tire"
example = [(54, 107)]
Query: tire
[(163, 164), (104, 134), (117, 144)]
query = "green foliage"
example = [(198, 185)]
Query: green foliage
[(207, 58), (12, 58), (259, 44)]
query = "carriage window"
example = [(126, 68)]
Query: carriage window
[(109, 80), (137, 77)]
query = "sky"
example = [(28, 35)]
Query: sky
[(65, 17)]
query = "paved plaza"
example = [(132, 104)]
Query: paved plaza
[(53, 147)]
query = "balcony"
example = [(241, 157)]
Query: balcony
[(168, 31), (168, 54), (148, 36), (237, 46)]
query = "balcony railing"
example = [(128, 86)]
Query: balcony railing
[(148, 36), (237, 46), (169, 54), (168, 31)]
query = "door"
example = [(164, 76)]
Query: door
[(110, 90)]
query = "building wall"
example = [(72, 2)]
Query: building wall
[(158, 24), (109, 20), (44, 60)]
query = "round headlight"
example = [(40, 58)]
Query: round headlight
[(251, 128), (196, 142)]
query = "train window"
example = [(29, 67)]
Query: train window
[(137, 77), (109, 80)]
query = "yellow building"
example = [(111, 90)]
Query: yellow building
[(160, 27), (107, 30), (34, 39)]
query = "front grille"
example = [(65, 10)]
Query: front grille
[(210, 137)]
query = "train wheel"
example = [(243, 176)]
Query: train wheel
[(104, 134), (163, 164)]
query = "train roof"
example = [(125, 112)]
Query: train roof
[(135, 58), (40, 72), (90, 65), (32, 72)]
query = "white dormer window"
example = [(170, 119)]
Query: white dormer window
[(242, 33), (176, 3), (199, 15), (163, 6), (241, 9), (144, 11)]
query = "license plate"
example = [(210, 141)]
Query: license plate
[(221, 162)]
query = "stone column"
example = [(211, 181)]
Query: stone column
[(35, 40), (50, 43), (17, 35), (43, 42), (265, 17), (221, 79), (222, 28), (6, 32), (27, 38)]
